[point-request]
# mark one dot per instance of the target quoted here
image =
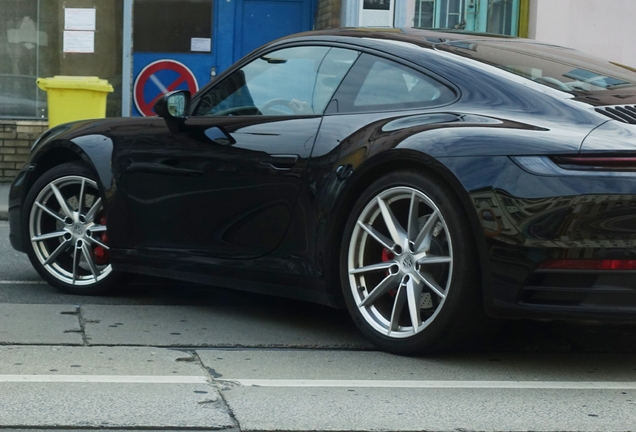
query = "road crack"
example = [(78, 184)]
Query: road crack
[(212, 378)]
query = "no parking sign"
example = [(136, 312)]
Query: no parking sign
[(158, 78)]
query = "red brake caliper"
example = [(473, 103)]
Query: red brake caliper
[(387, 255), (101, 254)]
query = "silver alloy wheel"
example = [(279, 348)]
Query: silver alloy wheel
[(65, 230), (400, 277)]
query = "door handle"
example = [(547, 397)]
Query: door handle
[(281, 162), (159, 168)]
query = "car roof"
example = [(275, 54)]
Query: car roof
[(422, 37)]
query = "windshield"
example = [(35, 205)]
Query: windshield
[(560, 68)]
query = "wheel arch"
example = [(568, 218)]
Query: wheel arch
[(382, 164), (63, 151)]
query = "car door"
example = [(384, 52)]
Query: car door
[(226, 183)]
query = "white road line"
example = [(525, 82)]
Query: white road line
[(556, 385), (9, 282), (135, 379)]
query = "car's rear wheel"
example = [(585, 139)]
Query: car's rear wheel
[(66, 235), (408, 266)]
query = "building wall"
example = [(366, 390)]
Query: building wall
[(16, 139), (601, 27), (327, 14)]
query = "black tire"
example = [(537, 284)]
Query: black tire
[(429, 296), (68, 246)]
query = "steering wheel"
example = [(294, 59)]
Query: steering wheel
[(279, 106)]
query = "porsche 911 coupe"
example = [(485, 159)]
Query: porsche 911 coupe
[(425, 181)]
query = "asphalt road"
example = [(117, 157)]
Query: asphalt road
[(175, 356)]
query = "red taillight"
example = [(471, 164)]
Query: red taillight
[(588, 265), (599, 162)]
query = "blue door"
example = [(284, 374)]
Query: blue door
[(262, 21), (182, 45)]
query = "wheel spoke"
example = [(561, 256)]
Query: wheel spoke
[(413, 294), (81, 196), (89, 260), (423, 240), (97, 242), (98, 228), (432, 284), (75, 263), (413, 217), (51, 212), (398, 307), (61, 201), (423, 259), (373, 267), (61, 248), (48, 236), (379, 237), (380, 289), (393, 225), (93, 211)]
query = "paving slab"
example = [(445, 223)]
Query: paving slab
[(24, 324), (305, 390), (211, 326), (361, 365), (112, 405), (112, 361), (125, 387), (390, 409)]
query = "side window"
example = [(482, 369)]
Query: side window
[(377, 84), (291, 81)]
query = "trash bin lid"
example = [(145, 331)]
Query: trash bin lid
[(75, 83)]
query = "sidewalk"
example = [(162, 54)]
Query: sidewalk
[(4, 200)]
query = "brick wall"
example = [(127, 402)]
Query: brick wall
[(328, 14), (16, 139)]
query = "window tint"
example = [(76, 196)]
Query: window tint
[(292, 81), (376, 84)]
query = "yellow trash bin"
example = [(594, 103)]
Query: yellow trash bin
[(75, 97)]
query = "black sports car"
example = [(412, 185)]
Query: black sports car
[(418, 178)]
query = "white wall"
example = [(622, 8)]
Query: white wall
[(601, 27)]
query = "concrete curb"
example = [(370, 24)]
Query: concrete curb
[(4, 200)]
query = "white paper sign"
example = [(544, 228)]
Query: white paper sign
[(79, 42), (79, 19), (201, 44)]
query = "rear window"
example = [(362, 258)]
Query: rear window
[(560, 68), (378, 84)]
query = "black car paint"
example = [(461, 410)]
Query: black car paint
[(467, 143)]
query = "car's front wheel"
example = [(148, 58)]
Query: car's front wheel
[(408, 266), (66, 234)]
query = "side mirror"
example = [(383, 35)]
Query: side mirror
[(174, 108)]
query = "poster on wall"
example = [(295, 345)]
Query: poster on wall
[(79, 19), (79, 30), (81, 42)]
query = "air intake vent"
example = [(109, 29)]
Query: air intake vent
[(621, 113)]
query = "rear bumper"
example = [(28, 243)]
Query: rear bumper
[(608, 296)]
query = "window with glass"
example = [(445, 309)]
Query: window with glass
[(32, 46), (377, 84), (291, 81)]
